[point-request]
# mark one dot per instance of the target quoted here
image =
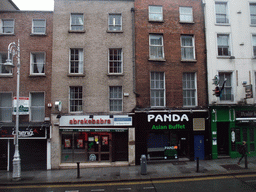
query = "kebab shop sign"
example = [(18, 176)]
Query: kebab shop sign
[(85, 121), (168, 121)]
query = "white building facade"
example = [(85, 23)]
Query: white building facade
[(230, 27)]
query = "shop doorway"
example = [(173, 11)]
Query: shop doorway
[(3, 154), (199, 147), (223, 139)]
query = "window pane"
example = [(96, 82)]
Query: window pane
[(37, 107), (3, 58), (157, 89), (39, 26), (5, 107), (156, 47), (8, 26), (77, 22), (115, 96), (114, 22), (76, 99), (186, 14), (189, 89), (155, 13), (38, 62), (115, 61), (76, 61)]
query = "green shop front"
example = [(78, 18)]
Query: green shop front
[(171, 135), (230, 126)]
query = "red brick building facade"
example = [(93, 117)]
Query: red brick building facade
[(34, 31), (170, 74)]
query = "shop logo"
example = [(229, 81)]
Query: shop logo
[(167, 118), (90, 121)]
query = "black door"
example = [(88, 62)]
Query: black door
[(222, 138), (3, 154), (120, 146)]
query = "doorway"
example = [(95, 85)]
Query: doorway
[(223, 138)]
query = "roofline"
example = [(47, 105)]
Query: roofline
[(13, 4)]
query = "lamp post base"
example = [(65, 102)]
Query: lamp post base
[(16, 169)]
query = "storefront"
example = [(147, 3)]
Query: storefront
[(96, 139), (33, 146), (230, 126), (163, 135)]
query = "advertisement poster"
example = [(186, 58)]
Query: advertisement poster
[(67, 143), (104, 140), (23, 105), (96, 137), (80, 143)]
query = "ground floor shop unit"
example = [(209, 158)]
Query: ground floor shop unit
[(172, 134), (230, 126), (34, 146), (93, 141)]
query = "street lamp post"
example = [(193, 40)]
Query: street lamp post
[(9, 65)]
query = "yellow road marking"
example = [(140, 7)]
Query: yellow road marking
[(126, 183)]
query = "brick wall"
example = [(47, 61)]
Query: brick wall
[(171, 29)]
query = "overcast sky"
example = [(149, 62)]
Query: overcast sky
[(38, 5)]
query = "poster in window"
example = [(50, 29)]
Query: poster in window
[(104, 140), (80, 143), (67, 143), (96, 137)]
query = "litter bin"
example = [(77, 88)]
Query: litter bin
[(143, 165)]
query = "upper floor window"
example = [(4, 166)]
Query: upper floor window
[(75, 99), (254, 45), (37, 63), (114, 22), (39, 26), (115, 98), (156, 47), (226, 94), (5, 107), (189, 89), (115, 59), (3, 70), (37, 109), (253, 13), (7, 26), (155, 13), (157, 89), (223, 45), (221, 12), (186, 14), (187, 47), (77, 22), (76, 61)]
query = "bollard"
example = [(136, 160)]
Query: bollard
[(197, 164), (245, 161), (143, 165), (78, 170)]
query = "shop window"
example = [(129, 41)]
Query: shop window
[(244, 134), (86, 147), (252, 148), (238, 136)]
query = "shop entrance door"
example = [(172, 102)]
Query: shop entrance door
[(199, 146), (3, 154), (222, 138)]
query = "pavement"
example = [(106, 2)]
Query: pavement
[(155, 171)]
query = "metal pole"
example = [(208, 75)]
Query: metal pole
[(16, 157), (197, 164)]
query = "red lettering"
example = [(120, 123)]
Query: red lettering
[(85, 121), (78, 121), (90, 121), (98, 121), (71, 121), (101, 121), (82, 121), (75, 121), (109, 121), (93, 121)]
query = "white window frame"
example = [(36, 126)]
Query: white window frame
[(184, 16), (76, 99), (223, 46), (158, 47), (187, 88), (118, 64), (79, 24), (151, 13), (112, 23), (79, 62), (227, 86), (254, 15), (3, 26), (185, 47), (40, 26), (32, 64), (157, 87), (7, 109), (36, 108), (114, 107), (3, 57), (226, 14)]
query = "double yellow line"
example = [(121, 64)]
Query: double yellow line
[(126, 183)]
